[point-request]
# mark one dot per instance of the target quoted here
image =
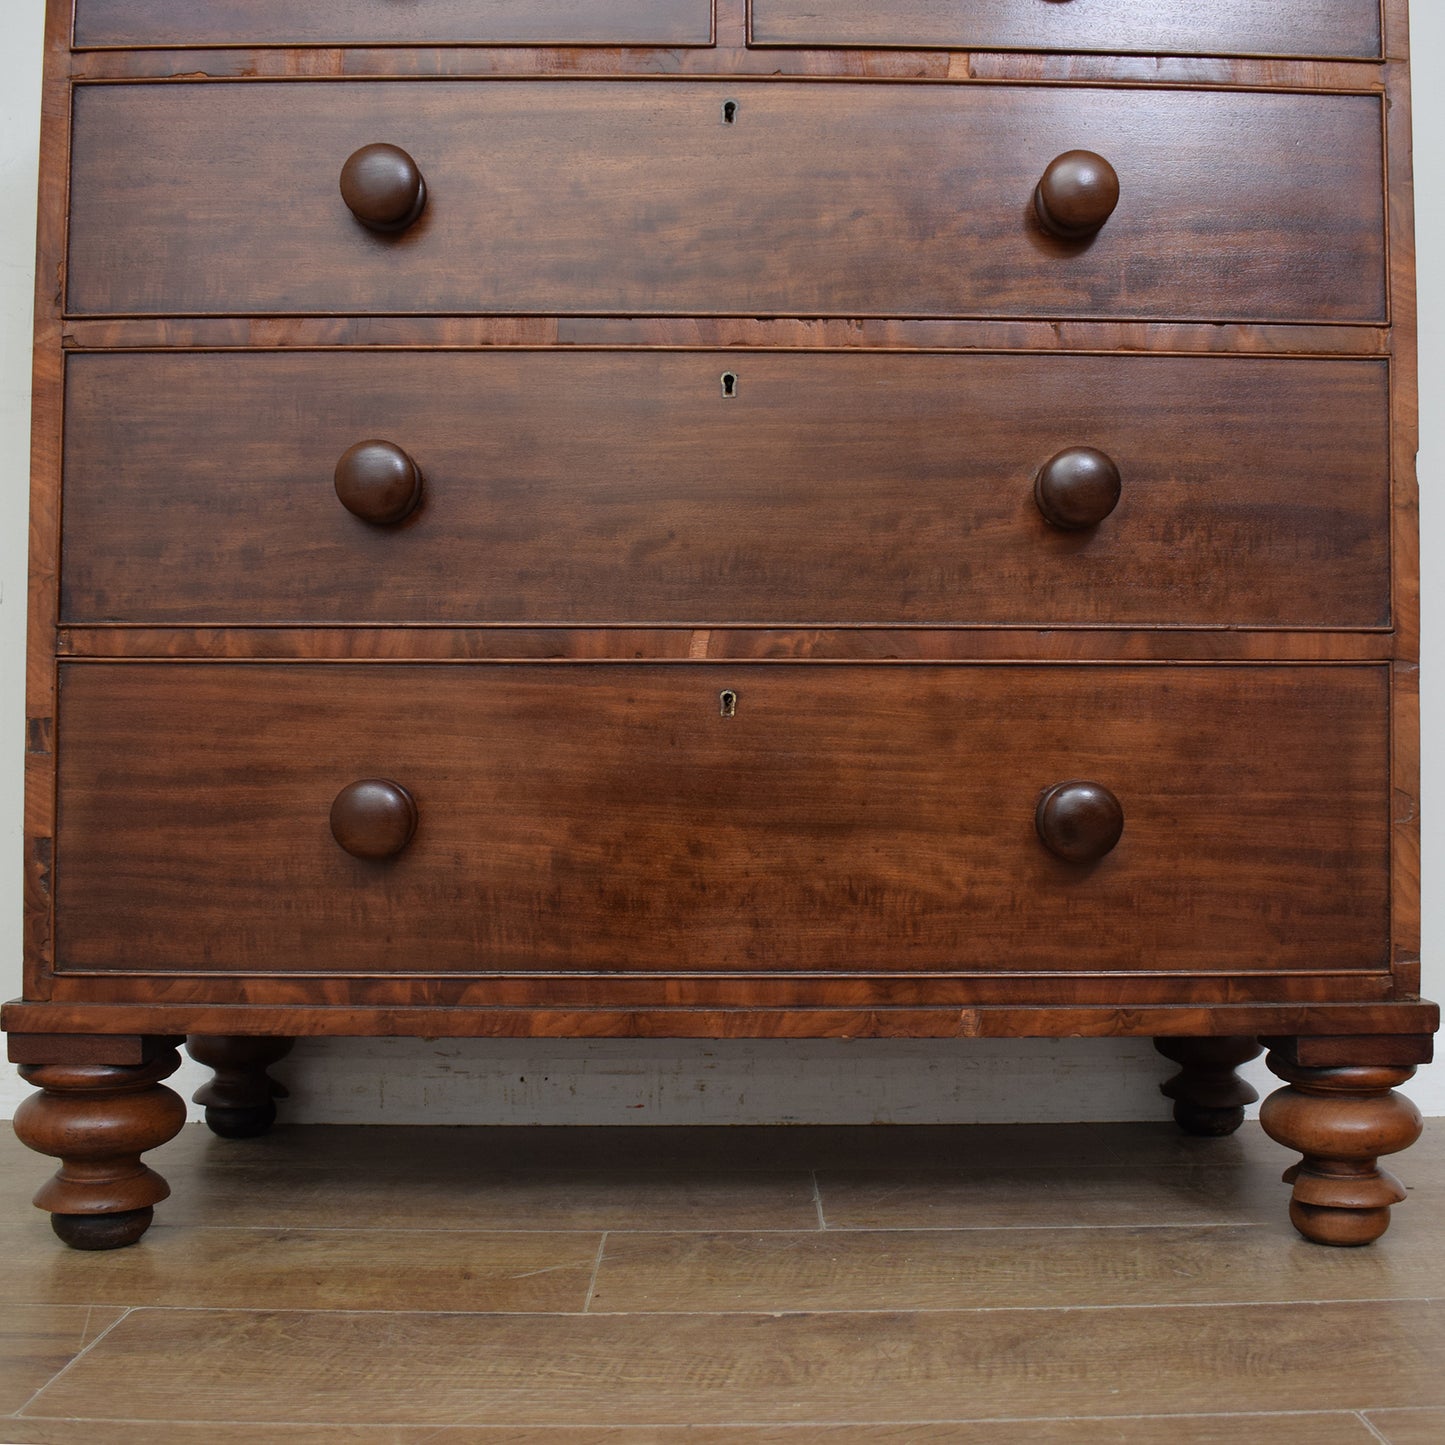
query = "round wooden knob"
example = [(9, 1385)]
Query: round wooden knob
[(1077, 194), (373, 818), (383, 187), (378, 482), (1077, 488), (1079, 821)]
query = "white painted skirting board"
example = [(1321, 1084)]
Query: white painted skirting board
[(663, 1081)]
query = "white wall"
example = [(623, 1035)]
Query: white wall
[(522, 1081)]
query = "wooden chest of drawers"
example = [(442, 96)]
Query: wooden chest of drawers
[(704, 519)]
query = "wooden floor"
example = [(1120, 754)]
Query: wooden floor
[(989, 1286)]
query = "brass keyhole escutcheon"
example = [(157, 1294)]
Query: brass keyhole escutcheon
[(727, 701)]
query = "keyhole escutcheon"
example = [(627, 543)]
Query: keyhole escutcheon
[(727, 703), (729, 384), (730, 112)]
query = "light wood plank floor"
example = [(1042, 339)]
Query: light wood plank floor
[(1041, 1285)]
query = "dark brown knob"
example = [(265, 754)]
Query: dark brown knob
[(374, 818), (1077, 194), (383, 187), (1077, 488), (1079, 821), (378, 482)]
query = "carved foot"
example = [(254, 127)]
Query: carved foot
[(98, 1119), (1209, 1097), (241, 1099), (1342, 1119)]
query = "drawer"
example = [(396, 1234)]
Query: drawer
[(1347, 28), (638, 198), (628, 487), (172, 23), (576, 817)]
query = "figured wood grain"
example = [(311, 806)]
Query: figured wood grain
[(1225, 27), (600, 487), (215, 333), (634, 198), (609, 818), (175, 23), (730, 57), (679, 644)]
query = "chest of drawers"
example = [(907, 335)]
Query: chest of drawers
[(712, 520)]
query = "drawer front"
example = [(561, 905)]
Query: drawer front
[(610, 817), (106, 23), (628, 487), (1220, 27), (637, 198)]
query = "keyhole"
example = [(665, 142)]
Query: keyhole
[(727, 702), (730, 111), (729, 384)]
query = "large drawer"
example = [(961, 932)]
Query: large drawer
[(170, 23), (637, 197), (627, 486), (1219, 27), (610, 817)]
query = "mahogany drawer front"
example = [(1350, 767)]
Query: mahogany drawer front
[(637, 198), (611, 817), (1345, 28), (627, 486), (171, 23)]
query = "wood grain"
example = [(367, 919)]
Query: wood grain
[(436, 1269), (609, 819), (627, 487), (37, 1340), (176, 23), (1233, 27), (708, 1369), (984, 1268), (635, 198)]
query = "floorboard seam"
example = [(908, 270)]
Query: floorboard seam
[(759, 1311), (70, 1364), (596, 1268), (1366, 1422), (715, 1425)]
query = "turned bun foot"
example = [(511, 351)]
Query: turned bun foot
[(1341, 1120), (1209, 1097), (98, 1119), (102, 1231), (241, 1123), (240, 1100)]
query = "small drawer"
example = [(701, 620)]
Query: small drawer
[(746, 198), (725, 487), (1335, 28), (785, 818), (108, 24)]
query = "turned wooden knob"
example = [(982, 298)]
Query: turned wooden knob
[(1077, 488), (373, 818), (378, 482), (1077, 194), (1079, 821), (383, 187)]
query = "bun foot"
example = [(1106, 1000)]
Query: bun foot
[(98, 1119), (241, 1123), (102, 1231), (1341, 1119), (241, 1099), (1209, 1097)]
